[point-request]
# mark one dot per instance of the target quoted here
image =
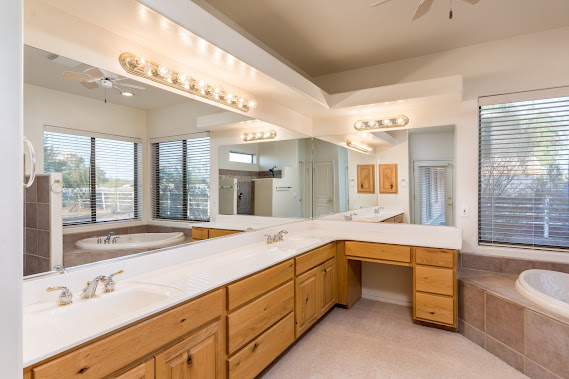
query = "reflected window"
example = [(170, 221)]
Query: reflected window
[(101, 176), (181, 179), (241, 157)]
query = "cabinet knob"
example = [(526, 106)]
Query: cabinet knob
[(325, 271), (189, 361), (307, 300), (255, 346)]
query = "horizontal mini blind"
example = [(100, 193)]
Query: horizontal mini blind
[(181, 174), (432, 194), (524, 173), (101, 177)]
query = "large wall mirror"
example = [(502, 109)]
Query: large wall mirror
[(267, 179)]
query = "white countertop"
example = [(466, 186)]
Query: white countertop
[(242, 222), (193, 269), (366, 214)]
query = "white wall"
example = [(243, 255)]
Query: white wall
[(279, 153), (11, 194), (225, 163), (527, 62)]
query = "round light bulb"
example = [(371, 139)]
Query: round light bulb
[(258, 135), (401, 121), (386, 122), (162, 70), (201, 84), (359, 125), (252, 104), (216, 90), (372, 123)]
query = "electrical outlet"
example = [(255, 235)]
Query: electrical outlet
[(464, 212)]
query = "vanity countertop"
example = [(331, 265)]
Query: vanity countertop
[(366, 214), (190, 271), (243, 222)]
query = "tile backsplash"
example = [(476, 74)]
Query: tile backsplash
[(37, 226)]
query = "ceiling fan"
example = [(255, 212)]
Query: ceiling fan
[(423, 8), (94, 78)]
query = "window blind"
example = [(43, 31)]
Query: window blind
[(524, 172), (181, 177), (101, 177), (432, 194)]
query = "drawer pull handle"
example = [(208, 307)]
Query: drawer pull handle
[(431, 312), (255, 346), (307, 300), (189, 361), (325, 271)]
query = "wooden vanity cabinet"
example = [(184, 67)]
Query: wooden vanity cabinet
[(142, 371), (199, 233)]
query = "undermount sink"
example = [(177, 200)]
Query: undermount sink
[(126, 299), (296, 243)]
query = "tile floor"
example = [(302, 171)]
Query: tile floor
[(378, 340)]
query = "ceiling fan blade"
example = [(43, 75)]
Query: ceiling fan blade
[(94, 73), (90, 85), (378, 2), (132, 86), (472, 1), (422, 9), (70, 75)]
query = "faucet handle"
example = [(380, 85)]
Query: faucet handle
[(65, 298), (110, 283), (270, 239)]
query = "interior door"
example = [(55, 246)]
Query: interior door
[(228, 196), (433, 194), (323, 188)]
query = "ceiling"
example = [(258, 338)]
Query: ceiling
[(43, 72), (328, 36)]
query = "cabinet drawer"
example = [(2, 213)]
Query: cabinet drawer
[(142, 371), (253, 319), (434, 308), (111, 354), (257, 355), (434, 257), (379, 251), (200, 233), (434, 280), (213, 233), (315, 257), (256, 285)]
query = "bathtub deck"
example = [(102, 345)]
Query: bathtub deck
[(495, 316)]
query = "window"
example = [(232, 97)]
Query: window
[(181, 180), (241, 157), (100, 177), (523, 173)]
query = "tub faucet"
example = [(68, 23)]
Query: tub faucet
[(109, 236)]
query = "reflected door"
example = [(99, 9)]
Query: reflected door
[(433, 193), (323, 188)]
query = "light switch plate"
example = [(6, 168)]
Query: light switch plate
[(464, 212)]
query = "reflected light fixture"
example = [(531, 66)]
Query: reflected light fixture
[(127, 94), (256, 136), (379, 123), (358, 146), (183, 82)]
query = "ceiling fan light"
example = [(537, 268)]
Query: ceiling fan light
[(127, 94)]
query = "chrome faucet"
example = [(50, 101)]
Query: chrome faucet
[(276, 237), (65, 298), (350, 217), (90, 290), (109, 236), (377, 209)]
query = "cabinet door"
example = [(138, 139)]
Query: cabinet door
[(306, 288), (366, 178), (328, 286), (142, 371), (388, 178), (197, 356)]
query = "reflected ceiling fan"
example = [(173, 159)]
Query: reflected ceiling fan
[(424, 7), (94, 78)]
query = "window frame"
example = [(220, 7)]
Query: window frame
[(252, 155), (137, 196)]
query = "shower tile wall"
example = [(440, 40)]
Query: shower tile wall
[(37, 226), (246, 201)]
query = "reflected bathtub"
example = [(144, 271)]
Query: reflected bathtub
[(550, 289), (132, 241)]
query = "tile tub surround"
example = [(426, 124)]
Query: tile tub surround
[(200, 267), (495, 316), (73, 256), (37, 246), (512, 266)]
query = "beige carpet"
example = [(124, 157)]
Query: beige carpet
[(378, 340)]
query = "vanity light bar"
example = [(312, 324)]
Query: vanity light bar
[(388, 122), (255, 136), (162, 74), (359, 147)]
